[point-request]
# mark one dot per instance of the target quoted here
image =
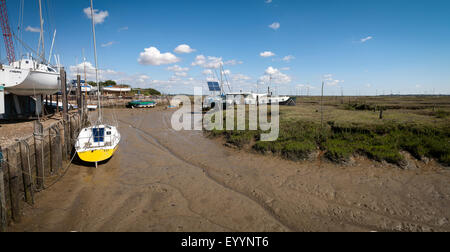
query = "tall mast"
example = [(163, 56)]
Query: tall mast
[(221, 79), (85, 79), (51, 48), (96, 64), (42, 29)]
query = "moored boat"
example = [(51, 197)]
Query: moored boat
[(97, 143), (142, 104)]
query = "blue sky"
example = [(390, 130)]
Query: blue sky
[(364, 47)]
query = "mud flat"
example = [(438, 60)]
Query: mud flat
[(163, 180)]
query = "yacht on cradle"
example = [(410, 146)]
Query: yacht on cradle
[(29, 76)]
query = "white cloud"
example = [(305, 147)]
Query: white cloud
[(207, 72), (330, 81), (288, 58), (199, 60), (152, 56), (135, 80), (177, 68), (366, 39), (32, 29), (267, 54), (125, 28), (213, 62), (275, 76), (183, 49), (268, 1), (285, 69), (240, 77), (275, 26), (233, 62), (108, 44), (99, 16), (181, 74), (179, 71), (90, 71), (207, 62)]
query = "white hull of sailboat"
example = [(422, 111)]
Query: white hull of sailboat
[(11, 77), (36, 83)]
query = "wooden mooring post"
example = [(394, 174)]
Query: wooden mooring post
[(79, 99), (14, 181), (27, 178), (39, 154), (57, 103), (55, 146), (66, 146), (24, 168), (3, 212)]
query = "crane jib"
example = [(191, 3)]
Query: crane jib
[(9, 45)]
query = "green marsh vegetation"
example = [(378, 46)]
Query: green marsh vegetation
[(418, 125)]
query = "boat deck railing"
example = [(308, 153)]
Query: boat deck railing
[(88, 143)]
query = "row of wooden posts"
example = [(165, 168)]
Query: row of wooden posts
[(34, 163)]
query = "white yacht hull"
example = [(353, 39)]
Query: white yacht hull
[(36, 83), (28, 78)]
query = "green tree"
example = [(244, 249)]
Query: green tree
[(108, 83)]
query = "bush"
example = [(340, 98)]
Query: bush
[(360, 107), (383, 153), (240, 138), (338, 150), (442, 114), (445, 159), (298, 150), (414, 146)]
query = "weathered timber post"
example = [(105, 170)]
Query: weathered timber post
[(79, 100), (65, 111), (64, 93), (51, 151), (57, 103), (321, 107), (51, 103), (13, 168), (62, 142), (2, 195), (42, 106), (39, 154), (26, 172), (56, 160), (70, 135)]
